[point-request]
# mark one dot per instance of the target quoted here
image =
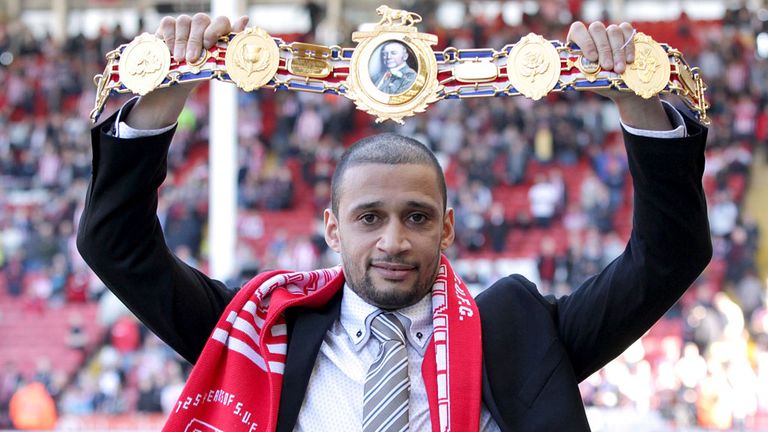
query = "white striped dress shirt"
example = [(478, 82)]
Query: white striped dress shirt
[(334, 399)]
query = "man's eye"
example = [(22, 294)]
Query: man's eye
[(418, 218), (368, 219)]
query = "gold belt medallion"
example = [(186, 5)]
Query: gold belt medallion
[(144, 64), (649, 73), (533, 66), (393, 71), (252, 58)]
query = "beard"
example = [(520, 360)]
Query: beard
[(387, 298), (390, 298)]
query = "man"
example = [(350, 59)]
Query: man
[(316, 356), (398, 76)]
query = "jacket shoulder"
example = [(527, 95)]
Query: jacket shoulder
[(514, 292), (514, 285)]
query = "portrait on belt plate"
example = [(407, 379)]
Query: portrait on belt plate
[(393, 67)]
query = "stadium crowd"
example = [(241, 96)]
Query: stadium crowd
[(543, 181)]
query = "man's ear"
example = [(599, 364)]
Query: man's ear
[(448, 235), (331, 230)]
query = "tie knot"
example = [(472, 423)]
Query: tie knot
[(386, 327)]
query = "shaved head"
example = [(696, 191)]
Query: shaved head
[(387, 149)]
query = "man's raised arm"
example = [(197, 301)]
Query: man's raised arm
[(669, 245), (120, 236)]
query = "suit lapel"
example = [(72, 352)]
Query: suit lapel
[(306, 329)]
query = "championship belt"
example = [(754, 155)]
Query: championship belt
[(393, 72)]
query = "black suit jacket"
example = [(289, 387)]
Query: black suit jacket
[(535, 349)]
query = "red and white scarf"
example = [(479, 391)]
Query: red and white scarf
[(236, 383)]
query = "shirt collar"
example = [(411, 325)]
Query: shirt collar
[(417, 319), (357, 314)]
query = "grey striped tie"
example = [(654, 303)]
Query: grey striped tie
[(385, 403)]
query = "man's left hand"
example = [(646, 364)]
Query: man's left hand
[(608, 46)]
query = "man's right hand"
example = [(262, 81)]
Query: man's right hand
[(186, 37)]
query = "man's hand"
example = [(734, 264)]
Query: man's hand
[(609, 47), (186, 37)]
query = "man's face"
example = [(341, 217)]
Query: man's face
[(394, 54), (390, 231)]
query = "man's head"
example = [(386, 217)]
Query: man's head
[(393, 54), (388, 219)]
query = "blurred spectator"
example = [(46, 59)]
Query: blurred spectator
[(601, 214), (549, 265), (10, 380), (13, 272), (76, 339), (76, 289), (738, 257), (43, 373), (544, 197), (149, 395), (517, 156), (574, 219), (277, 190), (32, 407), (543, 147), (172, 387), (473, 202), (561, 191), (611, 167), (497, 227), (183, 227), (125, 335), (300, 254), (723, 214), (750, 293), (589, 189)]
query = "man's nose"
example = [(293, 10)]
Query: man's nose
[(394, 239)]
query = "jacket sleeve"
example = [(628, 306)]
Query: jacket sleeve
[(668, 248), (120, 238)]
